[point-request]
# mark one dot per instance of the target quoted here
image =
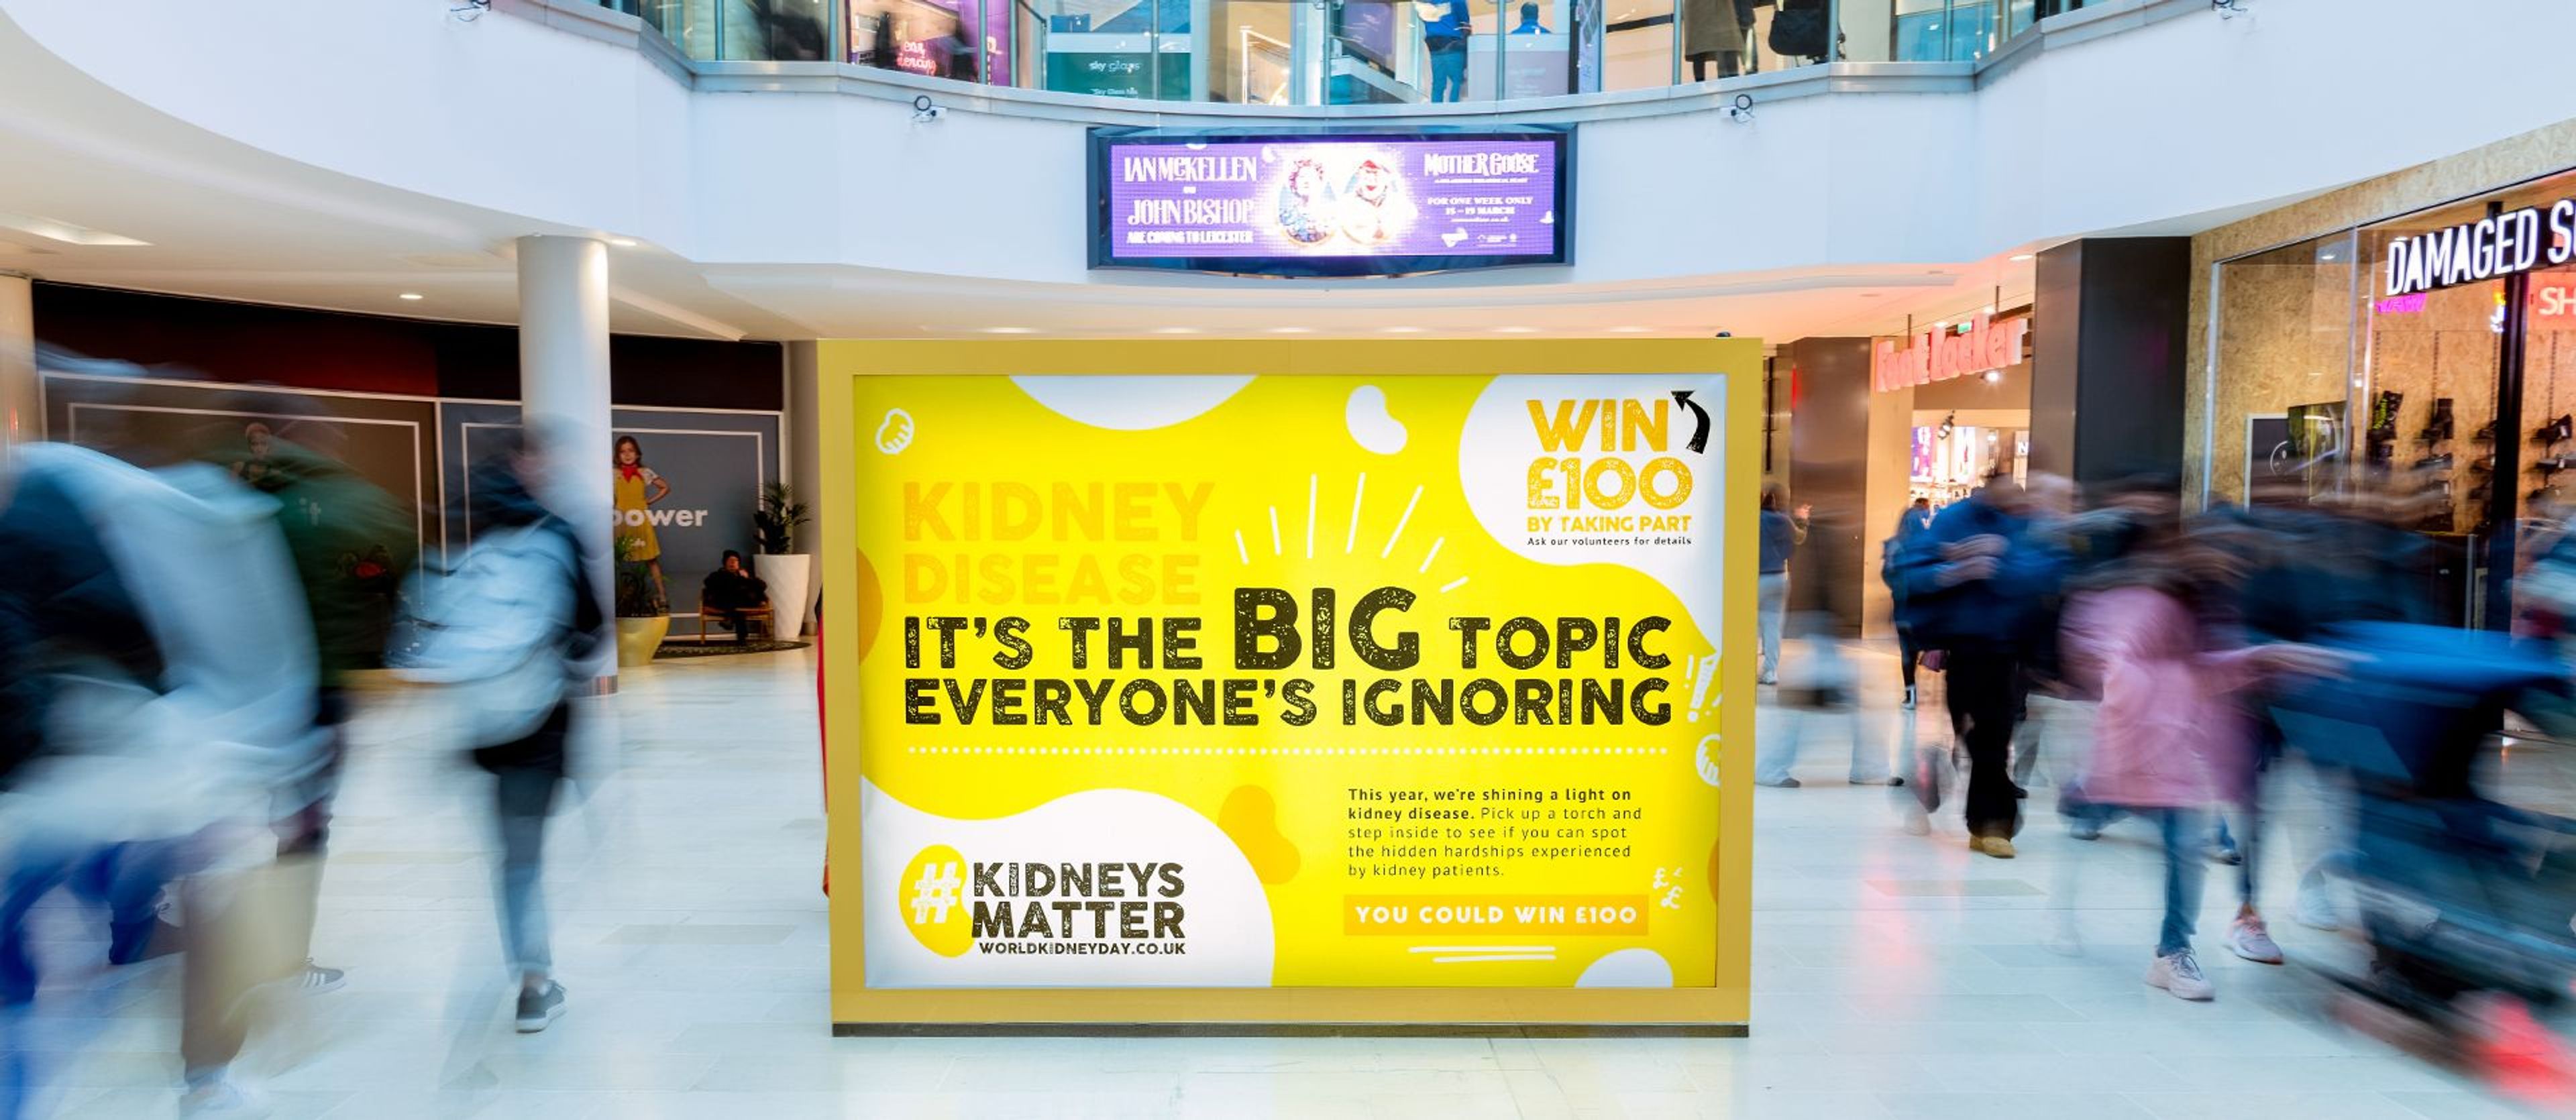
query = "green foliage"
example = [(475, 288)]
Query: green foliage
[(776, 520)]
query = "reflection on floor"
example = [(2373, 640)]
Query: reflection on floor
[(1895, 975)]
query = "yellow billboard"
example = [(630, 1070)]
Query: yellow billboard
[(1262, 681)]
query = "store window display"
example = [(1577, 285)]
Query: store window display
[(2331, 386)]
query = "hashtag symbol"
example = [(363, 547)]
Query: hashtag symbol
[(938, 889)]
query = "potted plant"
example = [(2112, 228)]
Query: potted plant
[(789, 574), (643, 610)]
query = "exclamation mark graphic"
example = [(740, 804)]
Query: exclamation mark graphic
[(1702, 669)]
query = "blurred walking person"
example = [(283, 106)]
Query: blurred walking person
[(1782, 533), (160, 614), (1916, 520), (505, 635), (2167, 738), (1975, 582), (328, 512)]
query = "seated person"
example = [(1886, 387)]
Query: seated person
[(729, 591)]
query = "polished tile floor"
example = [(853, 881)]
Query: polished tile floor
[(1896, 975)]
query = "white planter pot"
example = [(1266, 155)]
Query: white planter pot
[(790, 579)]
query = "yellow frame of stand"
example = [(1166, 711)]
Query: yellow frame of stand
[(1723, 1008)]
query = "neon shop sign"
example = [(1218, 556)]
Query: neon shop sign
[(2511, 242), (1939, 354)]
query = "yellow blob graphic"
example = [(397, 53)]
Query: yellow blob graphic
[(931, 896), (1251, 819)]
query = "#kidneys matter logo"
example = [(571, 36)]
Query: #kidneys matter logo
[(931, 893)]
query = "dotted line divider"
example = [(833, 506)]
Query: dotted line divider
[(1284, 751)]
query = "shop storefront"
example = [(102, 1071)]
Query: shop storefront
[(2422, 365), (1970, 384)]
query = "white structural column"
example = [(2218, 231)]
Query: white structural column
[(563, 388), (22, 417)]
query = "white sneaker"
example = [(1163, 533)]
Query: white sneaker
[(1909, 697), (2316, 910), (2248, 939), (223, 1097), (2179, 973)]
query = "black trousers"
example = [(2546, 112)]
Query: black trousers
[(1908, 655), (734, 621), (1983, 690)]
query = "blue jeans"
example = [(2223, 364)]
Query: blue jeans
[(124, 877), (522, 798), (1771, 616), (2184, 831), (1448, 69)]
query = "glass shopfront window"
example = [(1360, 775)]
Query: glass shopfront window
[(2327, 386)]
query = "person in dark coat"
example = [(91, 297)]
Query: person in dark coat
[(1977, 584), (729, 591)]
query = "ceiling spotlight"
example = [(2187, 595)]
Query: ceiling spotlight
[(2017, 258), (1401, 330), (1994, 376), (1010, 330), (1515, 330), (1292, 330), (1943, 325), (1176, 330), (410, 296), (1988, 309)]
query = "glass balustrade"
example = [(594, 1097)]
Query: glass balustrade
[(1340, 52)]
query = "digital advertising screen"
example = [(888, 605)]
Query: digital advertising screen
[(1331, 204)]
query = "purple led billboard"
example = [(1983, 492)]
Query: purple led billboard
[(1331, 205)]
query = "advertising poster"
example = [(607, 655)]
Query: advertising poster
[(389, 442), (1268, 682), (683, 485), (1342, 196)]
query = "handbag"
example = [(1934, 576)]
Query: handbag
[(1798, 32)]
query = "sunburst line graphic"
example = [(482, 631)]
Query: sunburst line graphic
[(1310, 516), (1400, 522), (1359, 492), (1351, 531)]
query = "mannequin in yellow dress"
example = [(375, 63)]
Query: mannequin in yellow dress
[(637, 488)]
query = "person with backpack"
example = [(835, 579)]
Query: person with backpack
[(1976, 583), (506, 635)]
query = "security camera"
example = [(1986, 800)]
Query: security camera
[(1726, 334), (924, 110), (2229, 9), (1742, 111)]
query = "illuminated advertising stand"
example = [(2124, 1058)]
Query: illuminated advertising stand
[(1391, 684)]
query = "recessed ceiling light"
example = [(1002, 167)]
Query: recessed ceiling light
[(1176, 330), (1993, 376), (1292, 330), (64, 232), (1943, 325), (2020, 257), (622, 242), (410, 295), (1988, 309), (1010, 330), (1515, 330), (1401, 330)]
